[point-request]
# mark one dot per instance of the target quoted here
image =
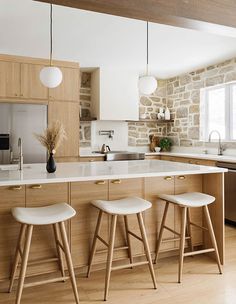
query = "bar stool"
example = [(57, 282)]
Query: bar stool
[(115, 208), (186, 201), (54, 215)]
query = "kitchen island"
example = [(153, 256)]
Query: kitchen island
[(79, 183)]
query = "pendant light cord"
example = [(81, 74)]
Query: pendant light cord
[(51, 34), (147, 49)]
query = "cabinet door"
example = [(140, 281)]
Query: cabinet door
[(190, 183), (9, 79), (69, 88), (31, 86), (153, 216), (120, 189), (10, 197), (43, 244), (68, 114), (84, 223)]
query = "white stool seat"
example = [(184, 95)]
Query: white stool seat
[(125, 206), (44, 215), (191, 199)]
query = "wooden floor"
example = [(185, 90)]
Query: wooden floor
[(201, 284)]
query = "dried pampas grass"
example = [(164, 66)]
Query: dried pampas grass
[(52, 136)]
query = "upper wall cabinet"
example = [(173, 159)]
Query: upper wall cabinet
[(31, 86), (9, 79), (115, 94), (69, 88)]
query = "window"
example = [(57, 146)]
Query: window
[(218, 112)]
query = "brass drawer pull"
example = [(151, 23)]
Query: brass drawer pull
[(167, 178), (100, 183), (15, 188), (116, 181), (36, 187), (181, 177)]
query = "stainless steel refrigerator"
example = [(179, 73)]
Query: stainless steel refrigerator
[(22, 120)]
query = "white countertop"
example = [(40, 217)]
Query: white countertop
[(85, 171)]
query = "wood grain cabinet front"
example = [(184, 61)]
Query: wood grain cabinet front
[(118, 189), (84, 223), (43, 244), (10, 197), (9, 79)]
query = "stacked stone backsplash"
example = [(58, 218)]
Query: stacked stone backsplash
[(85, 109), (182, 96), (183, 100), (149, 106)]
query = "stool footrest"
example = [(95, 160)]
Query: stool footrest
[(171, 230), (46, 282), (129, 265), (30, 263), (199, 252), (135, 235), (198, 226)]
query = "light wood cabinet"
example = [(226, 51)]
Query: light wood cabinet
[(92, 159), (31, 86), (120, 189), (153, 217), (10, 197), (68, 114), (69, 88), (84, 223), (193, 161), (43, 244), (9, 79)]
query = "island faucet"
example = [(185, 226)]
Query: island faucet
[(220, 146), (20, 163)]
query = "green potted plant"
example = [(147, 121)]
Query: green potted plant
[(165, 144)]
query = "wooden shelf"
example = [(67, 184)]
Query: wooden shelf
[(87, 119), (160, 121)]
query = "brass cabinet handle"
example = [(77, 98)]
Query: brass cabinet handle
[(116, 181), (168, 178), (100, 182), (36, 187), (181, 177), (15, 187)]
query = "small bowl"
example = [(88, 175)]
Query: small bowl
[(157, 149)]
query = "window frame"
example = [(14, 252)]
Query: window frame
[(204, 110)]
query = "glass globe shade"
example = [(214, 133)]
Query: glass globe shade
[(147, 84), (50, 76)]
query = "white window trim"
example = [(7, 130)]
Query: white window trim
[(204, 106)]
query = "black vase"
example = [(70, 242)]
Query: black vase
[(51, 164)]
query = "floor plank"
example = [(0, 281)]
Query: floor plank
[(201, 284)]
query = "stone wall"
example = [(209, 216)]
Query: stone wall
[(85, 109), (183, 100)]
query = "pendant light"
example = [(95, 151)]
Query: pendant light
[(51, 76), (147, 83)]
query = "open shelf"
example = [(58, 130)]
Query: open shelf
[(160, 121)]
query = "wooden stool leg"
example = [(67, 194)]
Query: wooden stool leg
[(69, 260), (182, 241), (212, 236), (128, 239), (146, 248), (189, 230), (59, 253), (94, 245), (110, 254), (17, 256), (25, 256), (161, 231)]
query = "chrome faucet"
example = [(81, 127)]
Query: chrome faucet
[(20, 163), (220, 146)]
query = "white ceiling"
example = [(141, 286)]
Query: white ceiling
[(102, 40)]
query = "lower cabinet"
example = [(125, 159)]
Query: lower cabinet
[(43, 244), (10, 197), (84, 223)]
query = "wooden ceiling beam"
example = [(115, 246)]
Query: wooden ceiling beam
[(216, 16)]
